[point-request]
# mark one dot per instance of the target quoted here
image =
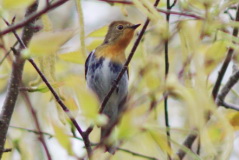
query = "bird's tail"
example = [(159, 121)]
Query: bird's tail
[(108, 146), (114, 114)]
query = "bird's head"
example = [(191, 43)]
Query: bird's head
[(120, 33)]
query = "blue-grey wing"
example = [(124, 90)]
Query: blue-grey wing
[(87, 64)]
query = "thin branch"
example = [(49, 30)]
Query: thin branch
[(172, 5), (78, 138), (226, 62), (166, 60), (7, 150), (228, 86), (7, 54), (29, 104), (122, 2), (229, 106), (180, 14), (32, 131), (137, 154), (187, 143), (15, 80), (225, 90), (38, 127), (32, 17), (85, 135), (159, 10), (107, 97), (191, 138)]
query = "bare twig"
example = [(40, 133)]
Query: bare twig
[(137, 154), (191, 138), (28, 102), (159, 10), (172, 5), (7, 150), (15, 80), (187, 143), (226, 62), (107, 97), (85, 135), (38, 127), (32, 131), (32, 17), (225, 90), (180, 14), (78, 138), (7, 54), (169, 7)]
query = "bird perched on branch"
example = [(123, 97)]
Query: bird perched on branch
[(103, 66)]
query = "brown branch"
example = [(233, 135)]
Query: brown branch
[(191, 138), (38, 127), (7, 150), (85, 135), (32, 17), (107, 97), (7, 54), (225, 90), (78, 138), (226, 62), (180, 14), (187, 143), (15, 80)]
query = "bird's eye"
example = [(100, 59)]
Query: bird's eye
[(120, 27)]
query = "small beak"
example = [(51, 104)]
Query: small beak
[(135, 26)]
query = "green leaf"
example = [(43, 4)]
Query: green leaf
[(48, 42), (62, 138), (101, 32), (74, 57), (13, 4)]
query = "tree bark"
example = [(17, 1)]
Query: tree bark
[(15, 80)]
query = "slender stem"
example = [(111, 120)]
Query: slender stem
[(85, 135), (32, 17), (107, 97), (226, 62), (28, 102), (63, 106), (15, 80), (166, 74), (225, 90), (159, 10), (191, 138), (77, 138), (38, 127), (7, 54)]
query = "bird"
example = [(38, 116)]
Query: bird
[(102, 67)]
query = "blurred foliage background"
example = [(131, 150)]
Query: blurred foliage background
[(198, 42)]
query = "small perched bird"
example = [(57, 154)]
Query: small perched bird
[(103, 65)]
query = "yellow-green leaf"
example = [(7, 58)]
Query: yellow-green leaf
[(94, 44), (62, 138), (161, 140), (48, 42), (74, 57), (99, 32), (13, 4)]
